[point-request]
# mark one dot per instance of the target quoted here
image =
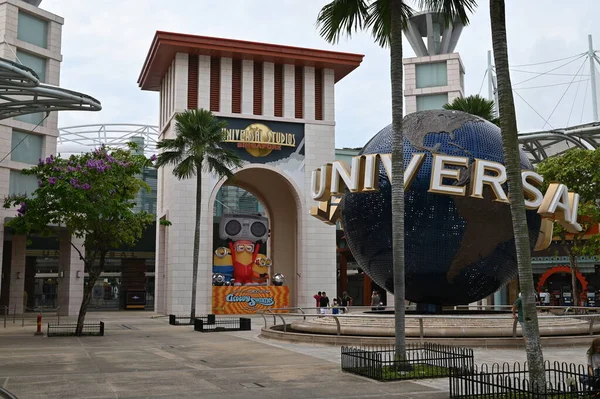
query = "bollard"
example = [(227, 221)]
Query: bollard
[(39, 325)]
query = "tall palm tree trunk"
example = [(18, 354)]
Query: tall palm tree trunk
[(510, 144), (574, 269), (397, 174), (196, 241)]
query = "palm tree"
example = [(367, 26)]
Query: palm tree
[(475, 105), (386, 19), (508, 124), (197, 148)]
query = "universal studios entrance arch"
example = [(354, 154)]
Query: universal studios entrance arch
[(278, 102)]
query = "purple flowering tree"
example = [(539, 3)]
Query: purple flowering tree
[(91, 196)]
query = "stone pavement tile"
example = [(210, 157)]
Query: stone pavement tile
[(160, 383), (238, 353), (134, 359), (87, 386), (41, 363)]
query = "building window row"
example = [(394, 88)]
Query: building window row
[(38, 65), (21, 184), (431, 75), (26, 147), (32, 29)]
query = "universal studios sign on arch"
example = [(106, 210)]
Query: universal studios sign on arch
[(330, 182)]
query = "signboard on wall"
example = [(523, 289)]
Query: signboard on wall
[(264, 141), (248, 299)]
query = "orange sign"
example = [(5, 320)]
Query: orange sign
[(248, 299)]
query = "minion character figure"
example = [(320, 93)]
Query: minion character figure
[(223, 262), (260, 270), (243, 253)]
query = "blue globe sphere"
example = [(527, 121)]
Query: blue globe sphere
[(457, 249)]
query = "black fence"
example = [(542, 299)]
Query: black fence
[(563, 380), (420, 361), (68, 330), (175, 320), (223, 324)]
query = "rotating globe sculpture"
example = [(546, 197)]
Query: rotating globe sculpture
[(457, 249)]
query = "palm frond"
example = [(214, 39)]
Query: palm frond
[(451, 9), (380, 21), (198, 145), (342, 17), (169, 158), (474, 105), (215, 166), (186, 168)]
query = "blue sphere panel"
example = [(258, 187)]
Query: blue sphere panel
[(457, 249)]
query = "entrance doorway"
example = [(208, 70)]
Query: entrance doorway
[(267, 191)]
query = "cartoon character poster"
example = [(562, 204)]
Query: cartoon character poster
[(238, 263)]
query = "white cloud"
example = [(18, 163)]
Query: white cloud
[(105, 44)]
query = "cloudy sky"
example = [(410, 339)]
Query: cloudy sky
[(105, 44)]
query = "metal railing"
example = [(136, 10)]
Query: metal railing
[(223, 324), (176, 320), (563, 380), (6, 314), (4, 394), (66, 330), (419, 361), (353, 312)]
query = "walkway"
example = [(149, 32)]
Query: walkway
[(143, 357)]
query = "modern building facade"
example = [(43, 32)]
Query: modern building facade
[(31, 37), (279, 105), (436, 75)]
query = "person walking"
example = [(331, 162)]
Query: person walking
[(318, 299), (324, 303), (375, 300), (517, 312), (345, 301)]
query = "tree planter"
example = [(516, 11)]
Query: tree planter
[(68, 330), (422, 361)]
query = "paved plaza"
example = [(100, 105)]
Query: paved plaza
[(142, 356)]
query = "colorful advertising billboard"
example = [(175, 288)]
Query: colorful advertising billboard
[(248, 299)]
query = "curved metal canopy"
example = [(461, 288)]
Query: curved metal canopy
[(541, 145), (21, 93), (75, 139)]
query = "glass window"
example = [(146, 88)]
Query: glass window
[(26, 147), (431, 75), (32, 30), (38, 64), (22, 184), (34, 119), (433, 101)]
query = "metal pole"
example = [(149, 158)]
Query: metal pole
[(593, 79), (491, 81)]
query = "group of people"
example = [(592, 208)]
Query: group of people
[(339, 305)]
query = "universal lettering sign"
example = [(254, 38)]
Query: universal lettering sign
[(332, 179)]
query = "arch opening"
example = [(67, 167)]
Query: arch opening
[(259, 189)]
